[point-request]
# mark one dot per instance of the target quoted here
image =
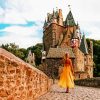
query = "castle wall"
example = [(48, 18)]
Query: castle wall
[(89, 65), (80, 75), (19, 80), (53, 66), (51, 35), (47, 38), (79, 60), (59, 31)]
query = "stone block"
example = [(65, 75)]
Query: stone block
[(3, 93)]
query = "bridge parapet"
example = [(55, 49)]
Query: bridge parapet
[(19, 80)]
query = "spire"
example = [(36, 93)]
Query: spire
[(77, 25), (45, 23), (54, 14), (53, 18), (83, 45), (69, 19)]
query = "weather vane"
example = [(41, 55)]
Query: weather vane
[(69, 7)]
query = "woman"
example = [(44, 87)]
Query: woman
[(66, 77)]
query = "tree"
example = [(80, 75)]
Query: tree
[(96, 56), (37, 51), (13, 48)]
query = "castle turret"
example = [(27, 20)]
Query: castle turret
[(54, 19), (60, 18), (75, 41), (45, 25)]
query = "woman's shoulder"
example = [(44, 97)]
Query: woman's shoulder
[(69, 60)]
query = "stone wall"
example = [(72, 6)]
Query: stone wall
[(79, 60), (90, 82), (19, 80), (80, 75)]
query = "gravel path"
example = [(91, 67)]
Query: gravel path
[(78, 93)]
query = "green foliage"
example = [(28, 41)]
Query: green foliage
[(13, 48), (96, 56), (22, 53), (37, 51)]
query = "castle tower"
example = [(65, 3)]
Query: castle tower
[(60, 18), (75, 40), (53, 28), (31, 58), (79, 56), (54, 19)]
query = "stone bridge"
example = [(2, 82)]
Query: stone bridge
[(78, 93), (21, 81)]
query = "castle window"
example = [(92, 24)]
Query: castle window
[(68, 36), (31, 61)]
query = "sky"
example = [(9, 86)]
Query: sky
[(21, 21)]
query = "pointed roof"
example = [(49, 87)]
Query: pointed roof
[(54, 14), (69, 20), (45, 23), (83, 45)]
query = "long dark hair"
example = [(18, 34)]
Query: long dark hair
[(66, 56)]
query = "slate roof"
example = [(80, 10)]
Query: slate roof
[(59, 52), (70, 20), (83, 45)]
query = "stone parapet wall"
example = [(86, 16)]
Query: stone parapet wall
[(19, 80), (90, 82)]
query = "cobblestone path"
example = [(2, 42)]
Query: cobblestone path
[(78, 93)]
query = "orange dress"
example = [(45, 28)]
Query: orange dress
[(66, 77)]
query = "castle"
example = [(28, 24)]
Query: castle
[(30, 58), (61, 36)]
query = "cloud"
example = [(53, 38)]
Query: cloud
[(21, 31), (22, 42), (94, 33), (22, 36)]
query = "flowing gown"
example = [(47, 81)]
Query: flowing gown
[(66, 77)]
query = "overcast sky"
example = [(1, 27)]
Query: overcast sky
[(21, 21)]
